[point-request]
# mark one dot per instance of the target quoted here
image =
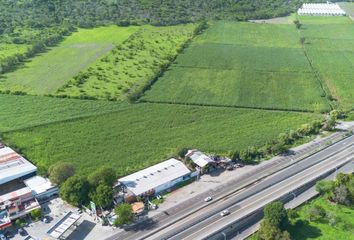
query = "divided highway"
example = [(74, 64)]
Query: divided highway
[(202, 227), (181, 221)]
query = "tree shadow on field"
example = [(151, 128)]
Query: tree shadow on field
[(302, 230)]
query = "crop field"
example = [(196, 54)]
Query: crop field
[(329, 43), (130, 66), (140, 135), (18, 112), (243, 65), (48, 71)]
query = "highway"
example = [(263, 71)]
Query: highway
[(209, 221), (178, 219)]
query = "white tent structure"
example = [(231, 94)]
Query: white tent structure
[(321, 9)]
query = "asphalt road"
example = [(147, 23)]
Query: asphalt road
[(149, 226), (209, 221)]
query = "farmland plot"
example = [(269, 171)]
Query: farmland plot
[(130, 66), (243, 65), (18, 112), (48, 71), (140, 135), (329, 43)]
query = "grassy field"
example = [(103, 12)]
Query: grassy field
[(329, 43), (140, 135), (321, 230), (131, 65), (18, 112), (243, 65), (48, 71)]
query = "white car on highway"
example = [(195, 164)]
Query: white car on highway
[(225, 212), (208, 199)]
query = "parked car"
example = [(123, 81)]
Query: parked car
[(225, 212), (22, 232), (45, 219), (208, 199), (2, 237), (9, 234)]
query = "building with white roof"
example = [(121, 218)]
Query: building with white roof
[(14, 166), (321, 9), (157, 178), (42, 189), (199, 158)]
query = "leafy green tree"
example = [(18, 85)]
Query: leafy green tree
[(36, 214), (104, 175), (75, 190), (316, 213), (102, 196), (324, 186), (276, 214), (342, 195), (124, 213), (60, 171), (268, 231)]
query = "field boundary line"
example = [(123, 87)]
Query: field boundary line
[(227, 106), (315, 72)]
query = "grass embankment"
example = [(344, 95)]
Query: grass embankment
[(329, 44), (321, 229), (48, 71), (130, 66), (243, 65), (140, 135)]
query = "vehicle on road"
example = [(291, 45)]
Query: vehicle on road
[(208, 199), (22, 232), (45, 219), (225, 213)]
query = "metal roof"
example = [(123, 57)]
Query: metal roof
[(154, 176), (13, 165), (199, 158), (38, 184), (63, 225)]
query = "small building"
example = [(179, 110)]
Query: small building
[(14, 166), (199, 158), (157, 178), (16, 204), (321, 9), (42, 189)]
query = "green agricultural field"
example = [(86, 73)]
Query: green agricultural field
[(132, 65), (322, 230), (243, 65), (140, 135), (18, 112), (329, 43), (48, 71)]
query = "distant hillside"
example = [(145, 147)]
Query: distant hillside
[(88, 13)]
